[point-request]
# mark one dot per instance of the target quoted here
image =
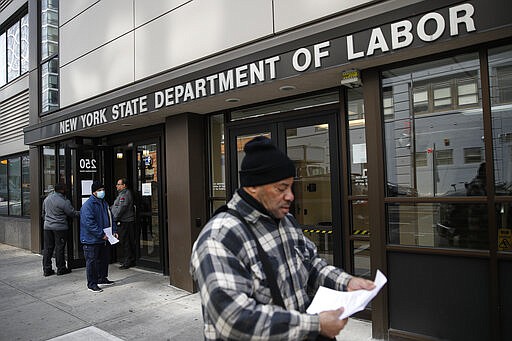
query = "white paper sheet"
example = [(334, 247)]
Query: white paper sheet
[(112, 240), (353, 301)]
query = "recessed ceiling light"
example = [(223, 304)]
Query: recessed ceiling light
[(288, 88), (232, 100), (127, 124), (101, 130)]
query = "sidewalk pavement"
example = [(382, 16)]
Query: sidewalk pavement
[(141, 305)]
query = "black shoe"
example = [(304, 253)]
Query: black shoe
[(95, 289), (49, 273), (63, 271), (124, 267), (106, 281)]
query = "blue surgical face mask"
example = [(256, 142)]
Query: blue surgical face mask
[(100, 194)]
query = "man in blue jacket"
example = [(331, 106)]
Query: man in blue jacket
[(56, 210), (95, 215)]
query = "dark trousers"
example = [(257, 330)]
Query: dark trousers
[(97, 257), (126, 231), (54, 241)]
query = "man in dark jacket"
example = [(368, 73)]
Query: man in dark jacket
[(124, 215), (56, 210), (94, 217)]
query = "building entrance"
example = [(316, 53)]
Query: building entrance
[(139, 164), (310, 143)]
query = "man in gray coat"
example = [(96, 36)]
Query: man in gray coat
[(56, 209), (124, 215)]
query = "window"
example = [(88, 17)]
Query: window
[(49, 55), (217, 195), (15, 185), (444, 157), (14, 49), (500, 73), (421, 159), (435, 151), (473, 155), (445, 93)]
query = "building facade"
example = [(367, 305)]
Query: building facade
[(396, 114)]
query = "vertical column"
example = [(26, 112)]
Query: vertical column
[(376, 181), (185, 155)]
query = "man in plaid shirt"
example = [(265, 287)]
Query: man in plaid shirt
[(236, 299)]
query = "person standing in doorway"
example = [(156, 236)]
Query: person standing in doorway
[(254, 267), (56, 210), (124, 215), (95, 215)]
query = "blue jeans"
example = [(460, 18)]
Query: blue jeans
[(96, 263)]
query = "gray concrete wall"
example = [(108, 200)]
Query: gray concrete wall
[(15, 231)]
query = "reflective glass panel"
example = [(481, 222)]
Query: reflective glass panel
[(49, 28), (454, 225), (13, 52), (284, 106), (14, 175), (217, 157), (3, 58), (361, 254), (50, 85), (504, 221), (433, 127), (357, 142), (147, 210), (500, 74), (25, 183), (24, 44), (308, 148), (49, 169)]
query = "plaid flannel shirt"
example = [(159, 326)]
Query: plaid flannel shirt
[(236, 299)]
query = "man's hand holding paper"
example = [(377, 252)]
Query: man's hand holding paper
[(352, 301)]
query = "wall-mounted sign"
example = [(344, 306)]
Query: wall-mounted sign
[(88, 165), (440, 25), (146, 189), (351, 78)]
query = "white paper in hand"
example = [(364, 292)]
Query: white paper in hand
[(112, 240), (353, 301)]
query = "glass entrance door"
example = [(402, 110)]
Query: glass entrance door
[(147, 206), (308, 142)]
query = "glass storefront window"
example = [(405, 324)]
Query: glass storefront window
[(217, 162), (357, 142), (436, 116), (290, 105), (25, 184), (447, 224), (49, 166), (500, 74), (14, 177)]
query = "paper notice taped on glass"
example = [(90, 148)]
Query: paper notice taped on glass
[(111, 239), (352, 301)]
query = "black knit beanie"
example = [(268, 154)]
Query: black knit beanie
[(264, 163), (96, 185)]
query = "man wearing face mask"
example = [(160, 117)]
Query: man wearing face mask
[(95, 216)]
